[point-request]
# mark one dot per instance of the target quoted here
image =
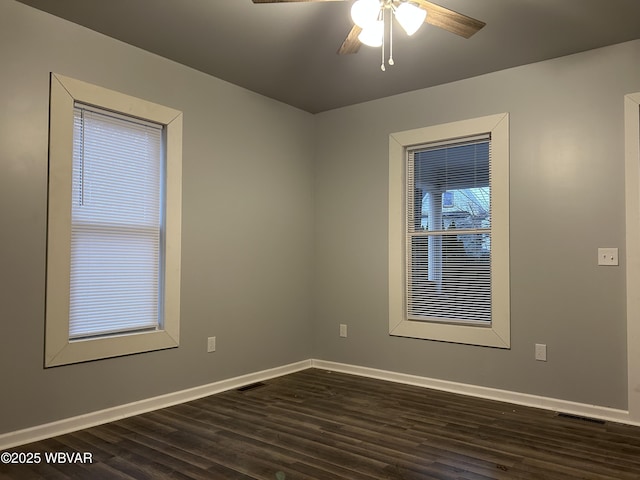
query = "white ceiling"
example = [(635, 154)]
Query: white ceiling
[(287, 51)]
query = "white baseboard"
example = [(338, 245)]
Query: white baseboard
[(39, 432), (524, 399)]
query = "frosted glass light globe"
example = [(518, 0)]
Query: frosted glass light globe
[(365, 12), (372, 34), (410, 17)]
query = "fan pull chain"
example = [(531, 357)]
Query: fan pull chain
[(390, 62), (382, 67)]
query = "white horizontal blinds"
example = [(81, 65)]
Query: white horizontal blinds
[(449, 231), (116, 232)]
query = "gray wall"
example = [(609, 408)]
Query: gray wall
[(247, 225), (567, 199)]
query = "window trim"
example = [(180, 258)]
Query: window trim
[(498, 334), (59, 350)]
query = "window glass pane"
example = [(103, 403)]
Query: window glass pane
[(452, 187), (116, 231), (452, 284), (449, 273)]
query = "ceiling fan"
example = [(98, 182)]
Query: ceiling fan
[(372, 33)]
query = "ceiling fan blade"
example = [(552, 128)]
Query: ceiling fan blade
[(351, 44), (449, 20)]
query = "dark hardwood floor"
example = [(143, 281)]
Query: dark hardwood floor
[(321, 425)]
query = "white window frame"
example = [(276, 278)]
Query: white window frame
[(59, 350), (498, 333)]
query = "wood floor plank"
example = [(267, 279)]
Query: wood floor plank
[(321, 425)]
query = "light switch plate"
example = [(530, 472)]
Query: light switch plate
[(607, 256)]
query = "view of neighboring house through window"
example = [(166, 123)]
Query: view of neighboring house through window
[(449, 232)]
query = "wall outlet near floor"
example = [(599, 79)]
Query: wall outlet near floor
[(211, 344), (343, 330), (541, 352)]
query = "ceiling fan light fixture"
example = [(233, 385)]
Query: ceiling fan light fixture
[(372, 34), (410, 17), (365, 12)]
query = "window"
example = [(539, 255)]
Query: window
[(113, 247), (448, 232)]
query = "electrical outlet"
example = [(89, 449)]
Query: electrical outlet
[(211, 344), (343, 330), (541, 352)]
